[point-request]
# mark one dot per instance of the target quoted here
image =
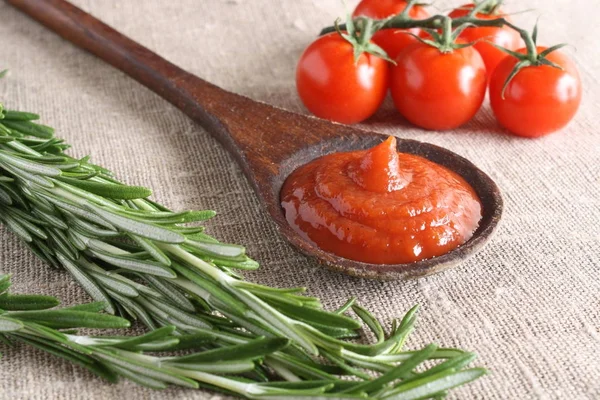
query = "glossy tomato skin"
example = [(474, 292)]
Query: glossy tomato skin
[(502, 36), (540, 99), (332, 86), (393, 41), (436, 90)]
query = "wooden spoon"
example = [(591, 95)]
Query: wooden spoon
[(267, 142)]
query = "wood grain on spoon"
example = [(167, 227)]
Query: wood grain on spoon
[(267, 142)]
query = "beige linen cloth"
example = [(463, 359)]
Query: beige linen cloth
[(528, 304)]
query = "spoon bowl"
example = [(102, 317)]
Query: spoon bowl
[(484, 186), (267, 142)]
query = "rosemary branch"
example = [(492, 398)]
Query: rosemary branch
[(33, 320), (147, 263)]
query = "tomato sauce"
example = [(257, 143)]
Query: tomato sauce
[(380, 206)]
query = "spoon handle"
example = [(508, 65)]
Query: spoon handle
[(192, 95)]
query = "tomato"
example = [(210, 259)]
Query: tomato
[(436, 90), (539, 99), (502, 36), (393, 41), (335, 87)]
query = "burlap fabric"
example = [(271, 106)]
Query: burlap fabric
[(528, 304)]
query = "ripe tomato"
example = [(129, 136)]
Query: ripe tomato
[(502, 36), (393, 41), (539, 99), (436, 90), (335, 87)]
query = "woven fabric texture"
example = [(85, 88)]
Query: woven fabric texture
[(528, 304)]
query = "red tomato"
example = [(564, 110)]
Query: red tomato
[(436, 90), (502, 36), (335, 87), (393, 41), (539, 99)]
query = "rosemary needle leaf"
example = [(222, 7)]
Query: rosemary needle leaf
[(4, 283), (142, 229), (217, 249), (94, 307), (143, 266), (370, 321), (91, 230), (109, 190), (88, 284), (65, 319), (455, 363), (9, 324), (145, 370), (10, 302), (310, 315), (429, 386), (300, 368), (26, 175), (5, 197), (30, 128), (207, 290), (76, 211), (134, 309), (196, 216), (48, 333), (16, 227), (62, 243), (221, 367), (139, 379), (173, 311), (19, 115), (323, 396), (153, 250), (71, 356), (192, 341), (171, 292), (237, 262), (50, 219), (29, 166), (396, 373), (254, 349), (158, 345), (157, 334), (76, 240), (116, 285)]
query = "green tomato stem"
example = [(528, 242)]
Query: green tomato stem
[(530, 45), (434, 22), (447, 39)]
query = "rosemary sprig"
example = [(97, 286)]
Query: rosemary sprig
[(145, 262), (33, 320)]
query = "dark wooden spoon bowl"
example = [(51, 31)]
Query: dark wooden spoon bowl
[(267, 142)]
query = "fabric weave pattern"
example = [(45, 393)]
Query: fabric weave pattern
[(528, 304)]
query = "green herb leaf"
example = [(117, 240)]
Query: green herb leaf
[(12, 302), (30, 128), (109, 190), (10, 325), (254, 349), (65, 319), (142, 229)]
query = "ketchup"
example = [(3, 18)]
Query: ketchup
[(380, 206)]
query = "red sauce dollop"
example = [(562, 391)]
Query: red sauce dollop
[(380, 206)]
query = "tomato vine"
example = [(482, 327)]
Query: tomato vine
[(440, 67), (445, 23)]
